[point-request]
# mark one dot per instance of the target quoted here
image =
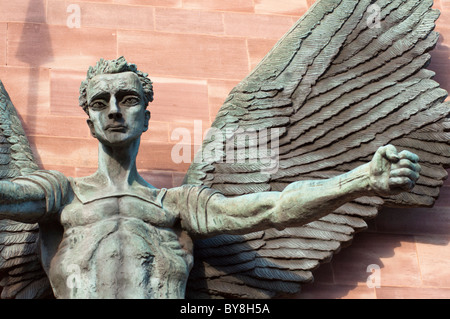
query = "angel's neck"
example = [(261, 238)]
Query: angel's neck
[(118, 164)]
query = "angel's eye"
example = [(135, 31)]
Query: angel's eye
[(97, 105), (130, 100)]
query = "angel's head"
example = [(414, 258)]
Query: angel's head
[(115, 95), (119, 65)]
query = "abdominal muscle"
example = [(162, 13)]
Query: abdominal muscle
[(120, 257)]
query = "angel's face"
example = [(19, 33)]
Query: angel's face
[(117, 109)]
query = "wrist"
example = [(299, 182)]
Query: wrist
[(360, 180)]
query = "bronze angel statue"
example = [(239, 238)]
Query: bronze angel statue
[(345, 109)]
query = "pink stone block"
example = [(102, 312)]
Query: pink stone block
[(394, 255), (413, 293), (220, 5), (100, 15), (23, 11), (185, 55), (257, 26), (64, 90), (153, 3), (179, 100), (3, 41), (218, 91), (66, 151), (189, 21), (296, 8), (258, 49), (42, 45), (28, 89), (434, 253)]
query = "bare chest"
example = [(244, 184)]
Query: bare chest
[(124, 245), (81, 214)]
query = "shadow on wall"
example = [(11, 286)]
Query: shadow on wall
[(35, 49)]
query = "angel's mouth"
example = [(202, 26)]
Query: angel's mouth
[(116, 128)]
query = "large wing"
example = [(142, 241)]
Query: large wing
[(21, 274), (349, 77)]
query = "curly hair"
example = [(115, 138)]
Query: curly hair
[(111, 67)]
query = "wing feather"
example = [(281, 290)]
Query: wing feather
[(21, 273), (336, 88)]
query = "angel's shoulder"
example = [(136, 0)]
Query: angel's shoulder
[(53, 182)]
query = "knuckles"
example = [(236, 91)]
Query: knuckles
[(401, 168)]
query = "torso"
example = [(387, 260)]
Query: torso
[(120, 246)]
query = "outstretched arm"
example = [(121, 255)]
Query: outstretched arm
[(388, 173), (30, 198)]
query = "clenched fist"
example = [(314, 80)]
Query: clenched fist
[(392, 172)]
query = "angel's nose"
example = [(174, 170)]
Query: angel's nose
[(114, 110)]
